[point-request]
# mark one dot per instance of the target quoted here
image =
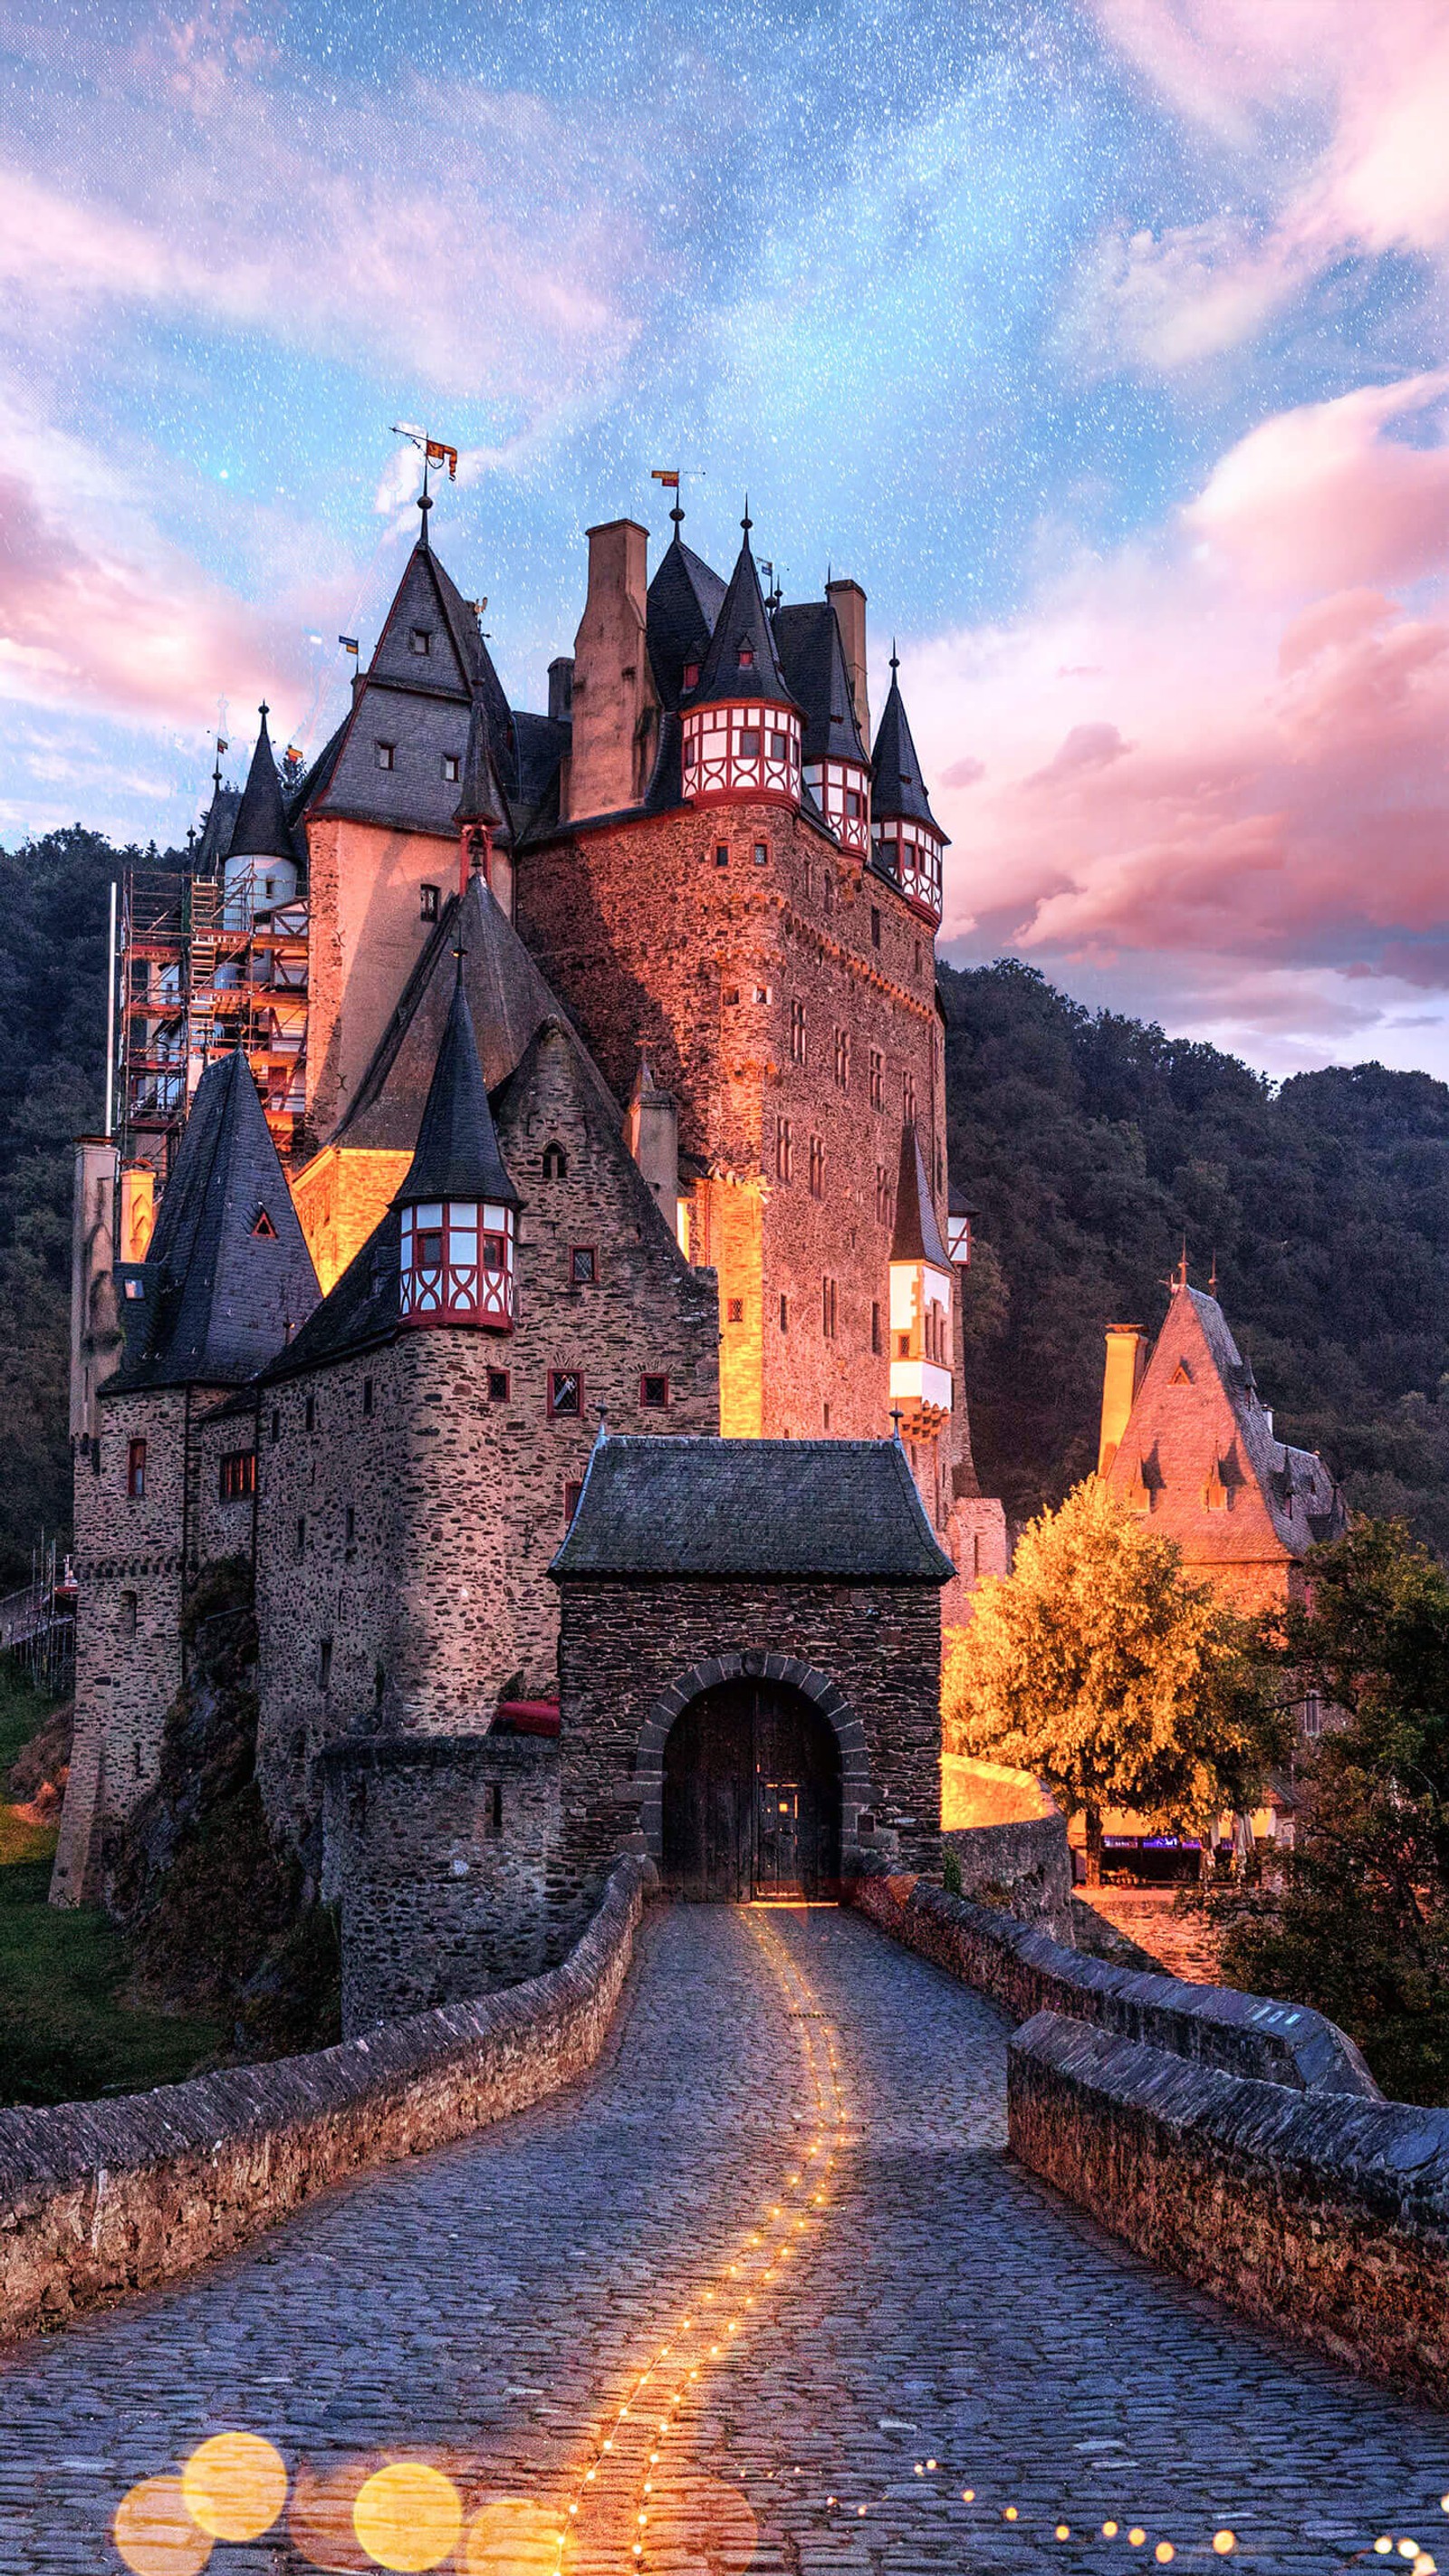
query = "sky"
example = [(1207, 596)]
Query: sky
[(1106, 342)]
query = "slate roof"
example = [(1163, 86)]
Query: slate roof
[(214, 839), (813, 660), (1302, 1498), (359, 1311), (261, 829), (685, 598), (840, 1511), (456, 1155), (480, 799), (897, 788), (509, 1001), (917, 1236), (743, 620), (219, 1300)]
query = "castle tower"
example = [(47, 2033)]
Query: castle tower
[(260, 868), (458, 1206), (909, 842), (168, 1482), (837, 771), (740, 726)]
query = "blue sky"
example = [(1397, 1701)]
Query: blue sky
[(1103, 342)]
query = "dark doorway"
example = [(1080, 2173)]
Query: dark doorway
[(751, 1797)]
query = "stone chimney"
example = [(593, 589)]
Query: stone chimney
[(1121, 1378), (848, 601), (614, 704), (651, 1132), (561, 689)]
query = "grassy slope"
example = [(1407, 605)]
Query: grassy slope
[(64, 2036)]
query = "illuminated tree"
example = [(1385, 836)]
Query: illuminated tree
[(1096, 1665)]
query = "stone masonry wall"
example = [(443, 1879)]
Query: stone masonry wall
[(129, 1566), (624, 1645), (434, 1599), (101, 2199), (1025, 1865), (440, 1852), (653, 944)]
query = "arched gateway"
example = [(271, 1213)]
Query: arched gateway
[(752, 1796)]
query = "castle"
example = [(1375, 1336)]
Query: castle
[(516, 1075)]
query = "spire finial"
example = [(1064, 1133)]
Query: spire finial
[(264, 711), (895, 658), (425, 504), (747, 522)]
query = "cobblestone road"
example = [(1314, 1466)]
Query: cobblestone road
[(912, 2316)]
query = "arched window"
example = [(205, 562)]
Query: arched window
[(555, 1163)]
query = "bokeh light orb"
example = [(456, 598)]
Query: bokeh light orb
[(155, 2535), (1225, 2542), (408, 2516), (512, 2537), (235, 2486)]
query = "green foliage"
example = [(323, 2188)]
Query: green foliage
[(1097, 1666), (1360, 1925), (1093, 1143), (950, 1872)]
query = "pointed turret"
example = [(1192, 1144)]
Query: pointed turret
[(480, 804), (261, 830), (921, 1279), (458, 1203), (741, 724), (909, 842), (227, 1277), (837, 771), (685, 599)]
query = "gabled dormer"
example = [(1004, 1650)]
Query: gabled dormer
[(741, 724), (836, 766), (458, 1206), (920, 1302), (909, 843)]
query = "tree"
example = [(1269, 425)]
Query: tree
[(1359, 1926), (1096, 1665)]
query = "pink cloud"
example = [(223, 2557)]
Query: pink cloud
[(963, 773), (1257, 783)]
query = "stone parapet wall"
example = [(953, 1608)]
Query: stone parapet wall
[(102, 2199), (1323, 2215), (1025, 1865), (1026, 1972)]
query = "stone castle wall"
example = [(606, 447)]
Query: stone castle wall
[(441, 1853), (625, 1645)]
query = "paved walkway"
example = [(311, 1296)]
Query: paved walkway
[(909, 2316)]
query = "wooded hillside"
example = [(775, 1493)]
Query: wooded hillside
[(1092, 1144)]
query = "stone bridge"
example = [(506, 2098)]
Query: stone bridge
[(763, 2289)]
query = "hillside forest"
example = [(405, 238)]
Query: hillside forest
[(1091, 1144)]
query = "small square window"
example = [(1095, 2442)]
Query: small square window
[(421, 640), (784, 1314), (276, 1424), (721, 854), (749, 743), (875, 1326), (498, 1386), (429, 898), (747, 657), (136, 1470), (653, 1389), (452, 767), (565, 1395), (387, 755), (349, 1525), (368, 1396), (584, 1266), (324, 1664), (762, 854), (691, 675), (310, 1417), (573, 1488), (736, 1310), (779, 746)]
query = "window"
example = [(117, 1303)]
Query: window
[(903, 1346), (908, 1098), (128, 1614), (95, 1457), (875, 925), (496, 1806), (452, 768), (875, 1326), (573, 1487), (817, 1167), (784, 1150), (498, 1386), (691, 675), (310, 1416), (779, 746), (735, 1312), (732, 996), (555, 1163), (324, 1663), (277, 1422), (420, 639), (584, 1266), (721, 854), (852, 804), (877, 1079), (368, 1396), (825, 1417), (263, 1228), (762, 854), (842, 1059), (827, 1308), (762, 993), (747, 657), (653, 1390), (882, 1195), (136, 1470), (301, 1533), (386, 755), (349, 1526), (238, 1475), (784, 1314), (918, 956), (797, 1032), (429, 899), (1312, 1706), (565, 1395), (749, 743)]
